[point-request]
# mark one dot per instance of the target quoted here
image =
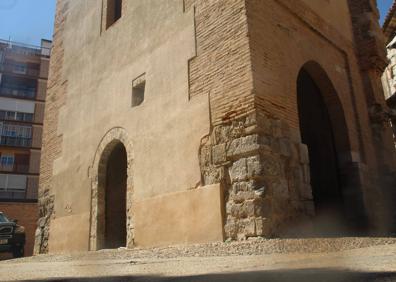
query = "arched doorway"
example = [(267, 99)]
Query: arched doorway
[(323, 130), (115, 198), (111, 223), (111, 227)]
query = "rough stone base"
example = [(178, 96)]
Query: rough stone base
[(265, 175), (46, 212)]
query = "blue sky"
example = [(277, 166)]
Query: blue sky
[(384, 6), (28, 21)]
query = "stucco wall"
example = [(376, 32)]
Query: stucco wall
[(197, 218), (155, 38)]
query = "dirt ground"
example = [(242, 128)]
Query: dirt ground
[(342, 259)]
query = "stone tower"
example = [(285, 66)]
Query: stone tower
[(193, 121)]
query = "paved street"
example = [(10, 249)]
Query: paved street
[(266, 260)]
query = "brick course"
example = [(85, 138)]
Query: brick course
[(222, 67)]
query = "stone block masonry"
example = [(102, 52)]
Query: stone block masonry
[(264, 172)]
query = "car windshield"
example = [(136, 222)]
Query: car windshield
[(3, 218)]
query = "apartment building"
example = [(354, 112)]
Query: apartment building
[(23, 83)]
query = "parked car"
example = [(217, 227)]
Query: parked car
[(12, 236)]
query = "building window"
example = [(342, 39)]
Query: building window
[(19, 116), (15, 135), (7, 160), (138, 89), (15, 91), (113, 12), (12, 186), (18, 87), (10, 115), (20, 68)]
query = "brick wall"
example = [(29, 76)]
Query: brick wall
[(27, 215), (282, 36), (51, 144), (222, 67), (51, 141), (302, 36)]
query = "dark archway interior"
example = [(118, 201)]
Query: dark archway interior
[(115, 198), (317, 133)]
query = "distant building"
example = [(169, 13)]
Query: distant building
[(23, 84)]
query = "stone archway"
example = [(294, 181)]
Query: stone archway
[(324, 130), (114, 148)]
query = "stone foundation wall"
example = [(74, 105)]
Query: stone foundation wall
[(46, 211), (265, 174)]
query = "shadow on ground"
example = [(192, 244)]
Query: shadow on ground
[(301, 275)]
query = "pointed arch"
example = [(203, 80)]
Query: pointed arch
[(324, 130)]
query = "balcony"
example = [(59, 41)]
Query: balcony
[(18, 187), (16, 116), (19, 69), (15, 141), (12, 194), (16, 168), (17, 92), (25, 49)]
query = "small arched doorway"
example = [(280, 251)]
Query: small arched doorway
[(114, 181), (323, 130), (111, 225)]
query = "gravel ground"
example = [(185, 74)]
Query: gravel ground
[(341, 259), (244, 248)]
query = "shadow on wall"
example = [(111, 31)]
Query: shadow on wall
[(282, 275)]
